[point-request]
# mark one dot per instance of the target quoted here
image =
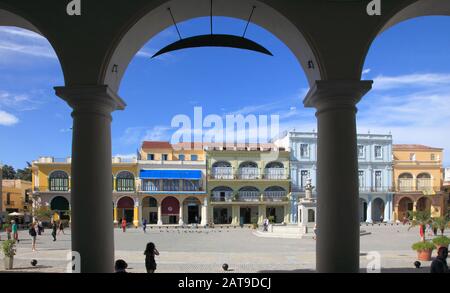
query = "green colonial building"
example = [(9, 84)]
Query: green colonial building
[(247, 184)]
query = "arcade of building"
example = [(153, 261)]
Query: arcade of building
[(185, 184)]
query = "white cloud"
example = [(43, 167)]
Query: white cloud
[(15, 41), (414, 107), (366, 71), (18, 102), (412, 80), (7, 119)]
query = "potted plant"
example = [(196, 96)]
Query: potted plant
[(441, 241), (8, 248), (424, 250)]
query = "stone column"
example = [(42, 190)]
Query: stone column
[(369, 210), (337, 246), (261, 214), (115, 214), (159, 214), (235, 211), (181, 220), (136, 213), (204, 212), (91, 174)]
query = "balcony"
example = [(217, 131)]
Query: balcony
[(249, 195), (157, 186), (222, 173), (425, 184), (376, 189), (275, 195), (275, 174), (248, 174), (45, 188)]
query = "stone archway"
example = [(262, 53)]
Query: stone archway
[(170, 211), (192, 210), (125, 209), (150, 210), (378, 206), (147, 25), (405, 206), (423, 204)]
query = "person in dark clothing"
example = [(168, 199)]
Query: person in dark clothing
[(54, 229), (120, 266), (150, 252), (439, 264), (144, 225)]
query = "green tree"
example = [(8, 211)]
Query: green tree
[(43, 214), (421, 219), (441, 223), (8, 172), (24, 174)]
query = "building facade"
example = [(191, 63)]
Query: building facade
[(247, 184), (16, 197), (418, 179), (375, 172), (165, 184)]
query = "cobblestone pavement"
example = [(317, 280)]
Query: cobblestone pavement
[(199, 251)]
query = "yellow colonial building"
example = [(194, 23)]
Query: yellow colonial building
[(418, 180), (165, 184), (16, 196), (248, 183)]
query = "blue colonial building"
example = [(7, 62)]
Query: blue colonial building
[(375, 172)]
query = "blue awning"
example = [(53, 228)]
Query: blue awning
[(171, 174)]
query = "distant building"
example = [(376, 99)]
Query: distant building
[(418, 179), (248, 183), (375, 171), (16, 197)]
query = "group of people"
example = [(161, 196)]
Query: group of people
[(37, 228), (150, 262)]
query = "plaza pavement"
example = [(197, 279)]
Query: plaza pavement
[(205, 250)]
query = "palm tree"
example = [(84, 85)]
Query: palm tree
[(421, 219), (441, 223)]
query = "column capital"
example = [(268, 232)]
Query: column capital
[(334, 94), (90, 98)]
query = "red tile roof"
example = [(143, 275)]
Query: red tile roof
[(156, 145), (418, 147)]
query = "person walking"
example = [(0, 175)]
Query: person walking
[(144, 225), (150, 252), (61, 227), (439, 264), (266, 224), (15, 232), (124, 225), (33, 235), (54, 230)]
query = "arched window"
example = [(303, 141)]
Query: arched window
[(58, 181), (248, 170), (275, 171), (222, 170), (125, 181), (221, 164)]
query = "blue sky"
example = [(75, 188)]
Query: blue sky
[(409, 63)]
